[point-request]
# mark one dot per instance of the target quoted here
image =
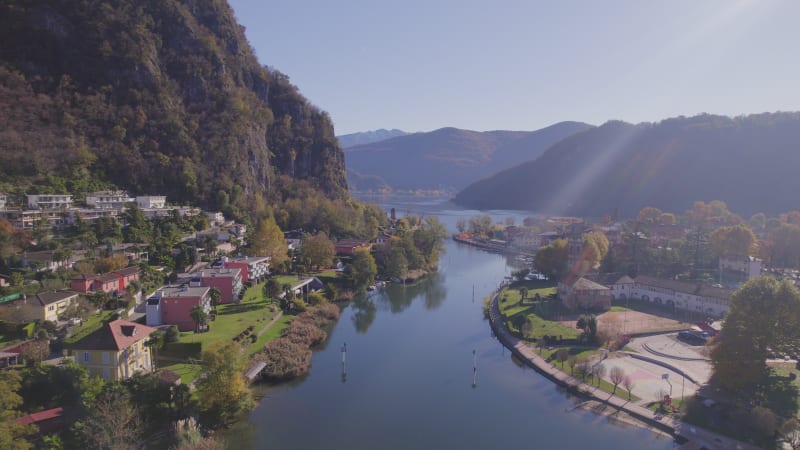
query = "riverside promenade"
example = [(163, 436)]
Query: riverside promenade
[(696, 437)]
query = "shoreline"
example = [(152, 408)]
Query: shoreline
[(624, 410)]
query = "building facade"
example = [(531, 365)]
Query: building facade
[(116, 351), (705, 300), (175, 305), (108, 199), (228, 280), (254, 268), (49, 201)]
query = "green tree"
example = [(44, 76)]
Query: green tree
[(649, 214), (733, 240), (215, 295), (523, 294), (318, 250), (113, 421), (362, 270), (551, 260), (221, 387), (763, 312), (397, 266), (199, 316), (12, 434), (272, 289), (155, 342)]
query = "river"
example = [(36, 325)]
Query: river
[(408, 379)]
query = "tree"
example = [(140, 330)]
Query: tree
[(562, 355), (649, 214), (155, 342), (267, 240), (12, 434), (221, 388), (200, 316), (172, 334), (36, 351), (587, 323), (362, 270), (397, 265), (523, 294), (272, 289), (113, 421), (572, 361), (762, 313), (318, 250), (599, 371), (733, 240), (551, 260), (628, 384), (215, 296), (616, 375)]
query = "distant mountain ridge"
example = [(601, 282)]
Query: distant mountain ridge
[(449, 158), (368, 137), (749, 162)]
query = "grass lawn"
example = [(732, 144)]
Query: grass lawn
[(618, 309), (188, 372), (272, 333), (287, 279), (234, 318), (93, 323), (513, 309)]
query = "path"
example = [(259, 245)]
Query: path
[(697, 436), (271, 322)]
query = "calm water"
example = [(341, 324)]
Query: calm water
[(409, 377)]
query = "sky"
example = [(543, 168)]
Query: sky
[(523, 65)]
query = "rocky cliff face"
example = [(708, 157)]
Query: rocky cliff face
[(154, 96)]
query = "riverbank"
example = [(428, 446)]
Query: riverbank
[(615, 405), (492, 245)]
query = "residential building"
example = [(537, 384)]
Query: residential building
[(227, 279), (45, 260), (116, 351), (175, 305), (582, 293), (383, 238), (151, 201), (349, 246), (254, 268), (741, 267), (127, 276), (108, 199), (49, 421), (294, 239), (89, 284), (706, 300), (49, 201), (215, 218), (42, 306)]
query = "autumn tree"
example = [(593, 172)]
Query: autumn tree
[(733, 240), (628, 384), (595, 248), (318, 250), (113, 421), (221, 387), (762, 313), (267, 240), (362, 270), (649, 214)]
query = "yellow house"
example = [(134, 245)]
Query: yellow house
[(42, 306), (116, 351)]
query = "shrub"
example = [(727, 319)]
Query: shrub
[(285, 359), (305, 333), (172, 334), (316, 298)]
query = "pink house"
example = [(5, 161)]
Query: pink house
[(111, 283), (126, 276), (176, 305), (227, 279), (252, 267)]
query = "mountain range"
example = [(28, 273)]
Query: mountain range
[(750, 162), (448, 158), (368, 137)]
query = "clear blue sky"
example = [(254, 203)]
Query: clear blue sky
[(523, 65)]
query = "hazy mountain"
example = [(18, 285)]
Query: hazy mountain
[(450, 158), (749, 162), (153, 96), (368, 137)]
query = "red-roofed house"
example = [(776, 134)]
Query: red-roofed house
[(116, 351), (349, 246), (126, 276)]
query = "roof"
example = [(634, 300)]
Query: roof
[(684, 287), (351, 243), (107, 277), (132, 270), (41, 416), (625, 280), (219, 272), (46, 298), (249, 259), (168, 376), (185, 291), (588, 285), (116, 335)]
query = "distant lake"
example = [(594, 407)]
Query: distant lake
[(408, 382)]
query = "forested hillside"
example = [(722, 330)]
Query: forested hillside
[(450, 158), (154, 96), (749, 162)]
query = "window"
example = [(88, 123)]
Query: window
[(85, 356), (50, 308), (105, 357)]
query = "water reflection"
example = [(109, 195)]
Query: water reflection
[(364, 310)]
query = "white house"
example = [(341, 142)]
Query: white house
[(746, 267), (151, 201), (49, 201), (108, 199), (706, 300)]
